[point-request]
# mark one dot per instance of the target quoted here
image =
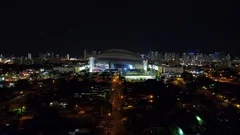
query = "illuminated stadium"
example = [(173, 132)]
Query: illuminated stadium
[(116, 59)]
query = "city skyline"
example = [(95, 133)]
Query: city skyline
[(84, 53)]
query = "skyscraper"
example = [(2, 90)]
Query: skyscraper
[(52, 55), (91, 64), (67, 57), (29, 56), (177, 58), (94, 53), (85, 55), (168, 56)]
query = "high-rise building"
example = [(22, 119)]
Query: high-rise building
[(67, 57), (85, 54), (186, 59), (91, 64), (160, 56), (156, 56), (29, 56), (177, 58), (52, 55), (211, 57), (226, 63), (168, 56), (143, 56), (172, 56), (94, 53), (192, 58), (218, 56), (145, 64), (228, 57), (236, 59), (151, 55)]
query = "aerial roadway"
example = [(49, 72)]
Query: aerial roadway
[(115, 125)]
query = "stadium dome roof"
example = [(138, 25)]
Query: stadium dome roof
[(118, 55)]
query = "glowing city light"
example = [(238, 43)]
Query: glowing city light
[(199, 120), (180, 132)]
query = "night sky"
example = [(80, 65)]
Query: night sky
[(69, 27)]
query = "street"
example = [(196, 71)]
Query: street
[(115, 119)]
